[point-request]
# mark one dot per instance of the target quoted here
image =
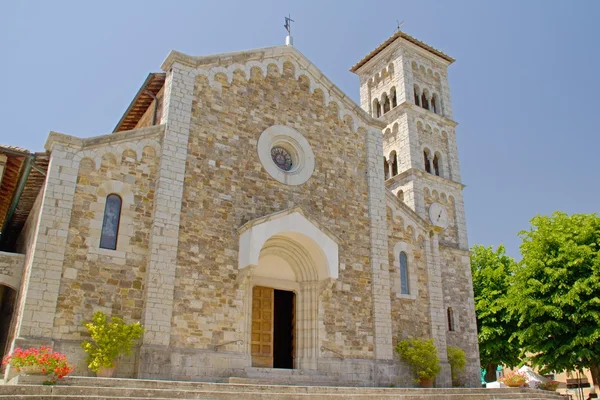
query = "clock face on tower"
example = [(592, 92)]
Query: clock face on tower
[(438, 215)]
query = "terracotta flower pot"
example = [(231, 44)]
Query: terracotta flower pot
[(514, 384), (105, 372), (32, 370), (426, 382)]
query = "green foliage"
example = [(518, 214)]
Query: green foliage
[(555, 292), (421, 355), (491, 279), (458, 361), (110, 339)]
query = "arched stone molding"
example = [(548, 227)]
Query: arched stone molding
[(413, 287), (287, 251), (125, 224), (295, 225), (116, 150)]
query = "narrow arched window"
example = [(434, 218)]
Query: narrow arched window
[(404, 288), (417, 102), (434, 107), (394, 163), (386, 169), (393, 95), (436, 165), (386, 103), (110, 223), (450, 319), (426, 158), (376, 109), (424, 102)]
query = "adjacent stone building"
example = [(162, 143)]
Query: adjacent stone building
[(254, 219)]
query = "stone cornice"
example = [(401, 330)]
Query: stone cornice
[(391, 116), (74, 142), (225, 61), (417, 173)]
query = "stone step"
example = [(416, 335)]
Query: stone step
[(263, 392), (90, 382)]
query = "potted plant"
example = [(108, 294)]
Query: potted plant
[(422, 357), (550, 385), (110, 339), (458, 361), (39, 361), (514, 379)]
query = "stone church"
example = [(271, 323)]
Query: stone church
[(255, 219)]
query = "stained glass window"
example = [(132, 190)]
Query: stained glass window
[(282, 158), (110, 224), (404, 273)]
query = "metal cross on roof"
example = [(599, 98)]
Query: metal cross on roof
[(288, 25), (399, 25)]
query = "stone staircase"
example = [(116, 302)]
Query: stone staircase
[(84, 388)]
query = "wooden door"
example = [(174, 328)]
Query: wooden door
[(262, 326)]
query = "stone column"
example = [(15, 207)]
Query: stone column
[(382, 319), (160, 279), (437, 311)]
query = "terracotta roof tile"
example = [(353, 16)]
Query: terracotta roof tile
[(405, 36)]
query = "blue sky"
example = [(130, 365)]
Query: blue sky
[(525, 86)]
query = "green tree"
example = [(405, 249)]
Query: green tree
[(491, 272), (555, 293)]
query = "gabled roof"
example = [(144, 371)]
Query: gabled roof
[(226, 61), (391, 39), (15, 204), (142, 100)]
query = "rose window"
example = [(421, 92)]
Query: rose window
[(282, 158)]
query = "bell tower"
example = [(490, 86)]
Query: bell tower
[(405, 83)]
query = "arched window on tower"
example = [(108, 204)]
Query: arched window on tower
[(110, 223), (424, 101), (417, 95), (393, 163), (386, 103), (393, 96), (404, 288), (426, 159), (450, 319), (436, 164), (435, 104), (386, 169), (376, 109)]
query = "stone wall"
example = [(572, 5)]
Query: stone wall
[(97, 279), (11, 269), (458, 295), (226, 186)]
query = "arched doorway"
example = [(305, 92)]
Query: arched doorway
[(287, 261), (8, 299)]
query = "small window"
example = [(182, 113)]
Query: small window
[(404, 288), (386, 169), (110, 224), (394, 99), (417, 102), (436, 165), (424, 102), (450, 319), (426, 158)]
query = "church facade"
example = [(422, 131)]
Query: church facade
[(254, 219)]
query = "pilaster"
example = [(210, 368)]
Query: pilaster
[(379, 249), (160, 282), (437, 312), (43, 271)]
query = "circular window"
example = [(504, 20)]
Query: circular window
[(282, 158), (286, 155)]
